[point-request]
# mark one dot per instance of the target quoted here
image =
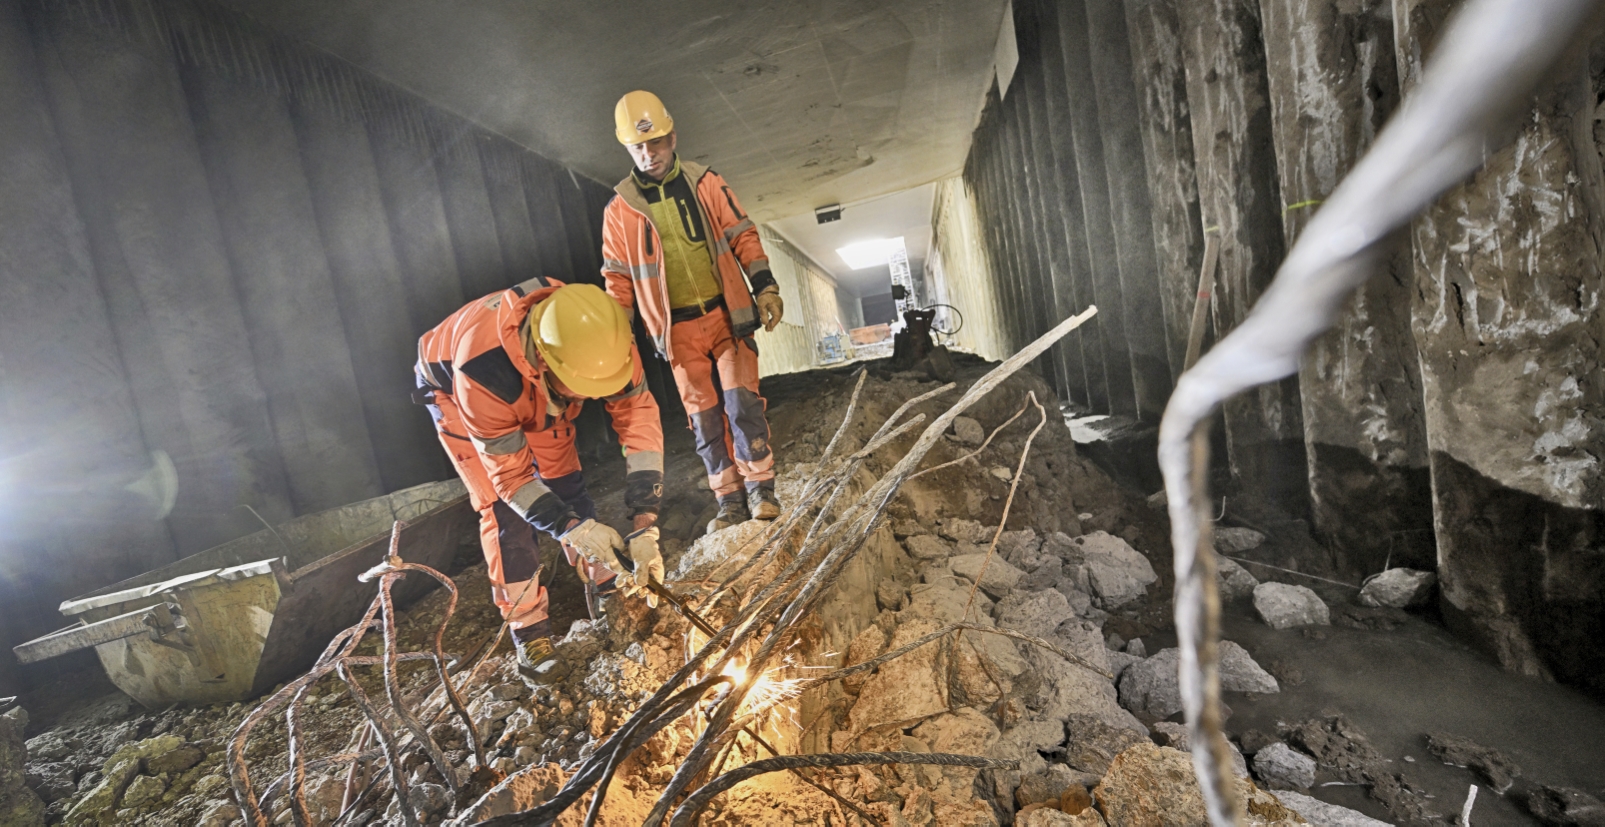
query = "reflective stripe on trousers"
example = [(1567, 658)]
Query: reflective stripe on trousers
[(718, 380)]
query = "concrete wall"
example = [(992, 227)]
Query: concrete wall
[(220, 245), (960, 272), (1507, 321), (1332, 84), (1451, 418)]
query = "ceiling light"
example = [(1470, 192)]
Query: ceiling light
[(825, 215), (873, 253)]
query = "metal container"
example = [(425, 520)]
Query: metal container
[(231, 622)]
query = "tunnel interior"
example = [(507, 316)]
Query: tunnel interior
[(226, 224)]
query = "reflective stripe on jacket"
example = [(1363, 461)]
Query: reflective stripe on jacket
[(476, 360), (632, 254)]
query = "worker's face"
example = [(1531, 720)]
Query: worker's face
[(654, 157)]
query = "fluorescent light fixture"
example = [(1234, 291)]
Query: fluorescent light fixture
[(876, 252)]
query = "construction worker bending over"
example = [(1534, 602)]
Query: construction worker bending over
[(674, 244), (504, 377)]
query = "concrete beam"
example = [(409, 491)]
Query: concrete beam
[(1507, 322), (284, 289), (1093, 186), (343, 182), (1050, 134), (1162, 117), (1238, 192), (1332, 85), (1130, 212)]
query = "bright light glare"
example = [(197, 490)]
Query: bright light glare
[(876, 252)]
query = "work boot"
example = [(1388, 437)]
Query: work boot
[(732, 511), (762, 503), (537, 659)]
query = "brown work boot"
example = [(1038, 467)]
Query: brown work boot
[(762, 504), (732, 511)]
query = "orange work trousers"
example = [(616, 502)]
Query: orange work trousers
[(512, 551), (718, 379)]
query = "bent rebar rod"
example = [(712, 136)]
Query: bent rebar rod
[(1493, 55)]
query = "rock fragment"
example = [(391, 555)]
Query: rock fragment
[(1323, 814), (1152, 786), (1283, 606), (998, 579), (1233, 540), (18, 804), (1499, 771), (1281, 767), (968, 431), (1117, 573), (1398, 589), (1566, 807), (1091, 743), (965, 531), (928, 547), (1235, 583)]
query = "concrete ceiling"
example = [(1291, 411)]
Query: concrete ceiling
[(798, 102), (906, 214)]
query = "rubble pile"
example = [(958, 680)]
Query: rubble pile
[(1060, 574)]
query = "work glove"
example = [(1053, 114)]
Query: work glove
[(598, 543), (643, 551), (770, 307)]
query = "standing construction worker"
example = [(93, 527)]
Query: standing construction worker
[(675, 243), (504, 377)]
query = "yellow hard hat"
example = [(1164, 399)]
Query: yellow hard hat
[(582, 335), (639, 117)]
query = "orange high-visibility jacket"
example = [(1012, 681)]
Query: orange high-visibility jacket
[(475, 360), (632, 253)]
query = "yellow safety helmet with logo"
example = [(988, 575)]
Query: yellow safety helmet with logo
[(639, 117), (584, 338)]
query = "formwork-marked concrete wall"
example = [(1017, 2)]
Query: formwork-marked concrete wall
[(221, 245), (1507, 322), (1451, 419)]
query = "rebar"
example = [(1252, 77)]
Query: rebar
[(1482, 72), (693, 805)]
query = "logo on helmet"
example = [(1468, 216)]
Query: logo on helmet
[(643, 126)]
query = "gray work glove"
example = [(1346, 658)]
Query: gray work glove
[(598, 543), (770, 307), (643, 550)]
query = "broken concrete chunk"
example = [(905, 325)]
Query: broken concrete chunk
[(968, 431), (1151, 687), (1145, 780), (1052, 817), (928, 547), (219, 814), (1398, 589), (1322, 814), (904, 527), (869, 644), (1239, 672), (968, 531), (889, 595), (998, 579), (1500, 772), (1036, 613), (176, 761), (1235, 583), (906, 688), (1231, 540), (1283, 606), (1023, 548), (1091, 743), (1118, 661), (1280, 767), (1135, 647), (1044, 786), (1117, 573)]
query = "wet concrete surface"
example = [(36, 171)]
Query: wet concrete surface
[(1400, 684)]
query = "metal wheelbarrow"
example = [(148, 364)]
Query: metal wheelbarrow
[(231, 622)]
